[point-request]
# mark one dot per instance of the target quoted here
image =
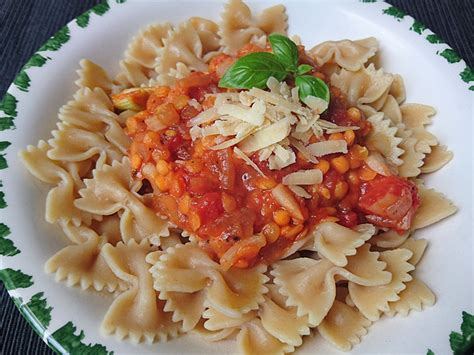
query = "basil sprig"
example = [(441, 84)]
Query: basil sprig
[(309, 85), (254, 69)]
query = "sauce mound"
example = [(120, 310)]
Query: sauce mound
[(242, 215)]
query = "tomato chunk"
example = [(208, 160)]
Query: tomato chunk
[(389, 202)]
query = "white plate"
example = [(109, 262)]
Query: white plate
[(429, 78)]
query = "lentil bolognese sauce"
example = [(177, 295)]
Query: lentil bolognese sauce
[(239, 216)]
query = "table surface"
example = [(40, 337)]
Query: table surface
[(25, 25)]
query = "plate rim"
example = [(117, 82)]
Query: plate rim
[(36, 310)]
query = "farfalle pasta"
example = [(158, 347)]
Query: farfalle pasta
[(203, 198)]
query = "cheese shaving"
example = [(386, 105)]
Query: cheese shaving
[(266, 136), (245, 158), (303, 177), (254, 115), (302, 149), (327, 147), (299, 191), (204, 117), (276, 100), (317, 104), (281, 158)]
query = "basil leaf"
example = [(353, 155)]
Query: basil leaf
[(285, 50), (303, 69), (309, 85), (253, 70)]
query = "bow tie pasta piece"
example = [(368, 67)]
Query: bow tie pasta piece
[(212, 336), (434, 207), (366, 268), (187, 269), (335, 242), (92, 110), (92, 75), (60, 199), (416, 117), (215, 320), (415, 296), (371, 300), (112, 190), (237, 291), (281, 321), (417, 247), (84, 264), (136, 313), (254, 339), (238, 26), (107, 227), (383, 138), (137, 67), (367, 88), (390, 239), (343, 326), (73, 144), (350, 55), (191, 44), (391, 110), (303, 278), (412, 158), (436, 159)]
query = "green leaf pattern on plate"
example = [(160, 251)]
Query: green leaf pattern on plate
[(433, 38), (99, 9), (418, 27), (450, 55), (8, 105), (72, 343), (57, 40), (395, 12), (13, 279), (36, 311), (6, 123), (7, 248), (22, 81)]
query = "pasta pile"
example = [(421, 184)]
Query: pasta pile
[(336, 280)]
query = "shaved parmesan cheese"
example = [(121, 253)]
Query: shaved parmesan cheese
[(254, 115), (264, 154), (302, 149), (246, 99), (276, 100), (334, 128), (327, 147), (299, 191), (281, 158), (229, 143), (245, 158), (302, 136), (306, 125), (226, 97), (315, 103), (266, 136), (209, 130), (204, 117), (376, 162), (303, 177), (273, 84), (287, 200), (194, 103)]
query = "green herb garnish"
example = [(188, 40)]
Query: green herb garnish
[(463, 343), (254, 70)]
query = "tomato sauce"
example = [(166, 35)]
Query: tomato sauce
[(227, 205)]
